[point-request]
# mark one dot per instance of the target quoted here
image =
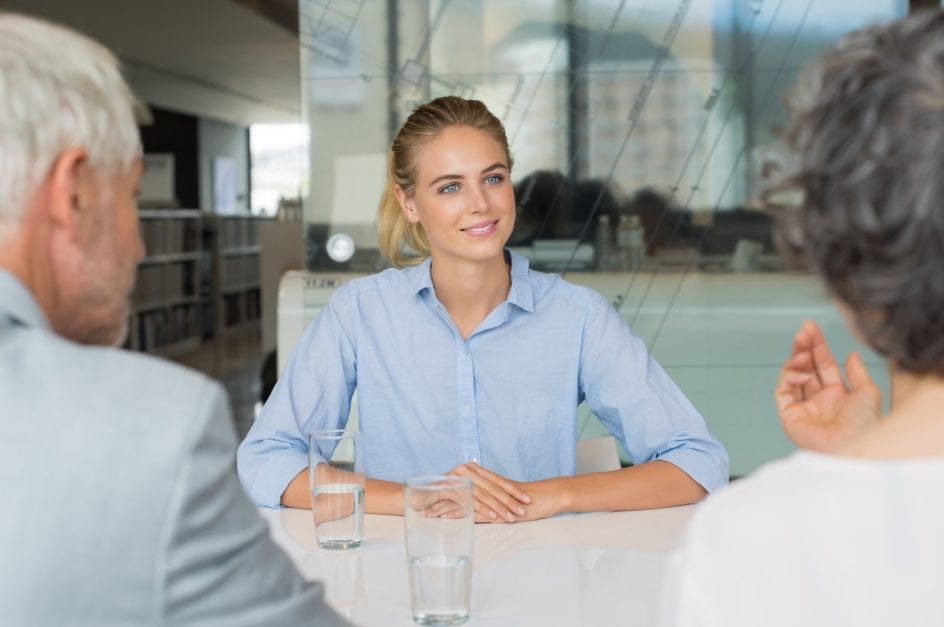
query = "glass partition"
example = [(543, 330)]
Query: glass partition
[(627, 120), (641, 131)]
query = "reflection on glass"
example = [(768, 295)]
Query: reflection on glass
[(628, 121), (661, 111)]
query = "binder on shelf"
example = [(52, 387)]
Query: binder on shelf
[(165, 301), (237, 289)]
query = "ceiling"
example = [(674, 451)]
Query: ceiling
[(232, 60)]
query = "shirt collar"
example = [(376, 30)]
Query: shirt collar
[(521, 293), (522, 288), (17, 303), (420, 277)]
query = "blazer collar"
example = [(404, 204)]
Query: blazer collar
[(18, 304)]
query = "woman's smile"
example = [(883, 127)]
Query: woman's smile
[(482, 229)]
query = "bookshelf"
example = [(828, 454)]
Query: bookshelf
[(237, 300), (165, 304)]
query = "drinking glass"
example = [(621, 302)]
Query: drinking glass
[(336, 479), (439, 519)]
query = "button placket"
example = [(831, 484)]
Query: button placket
[(468, 419)]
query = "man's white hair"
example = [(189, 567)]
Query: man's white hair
[(58, 90)]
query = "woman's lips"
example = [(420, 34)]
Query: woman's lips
[(483, 228)]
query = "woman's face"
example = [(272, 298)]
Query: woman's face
[(463, 196)]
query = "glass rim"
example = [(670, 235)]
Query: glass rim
[(437, 482)]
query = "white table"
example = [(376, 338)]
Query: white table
[(586, 569)]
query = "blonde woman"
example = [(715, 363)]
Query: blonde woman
[(468, 362)]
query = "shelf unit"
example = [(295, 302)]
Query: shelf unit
[(237, 300), (165, 311)]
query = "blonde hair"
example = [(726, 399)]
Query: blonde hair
[(402, 242)]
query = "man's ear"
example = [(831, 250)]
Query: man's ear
[(71, 190), (407, 206)]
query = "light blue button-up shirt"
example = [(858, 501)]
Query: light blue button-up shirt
[(506, 397)]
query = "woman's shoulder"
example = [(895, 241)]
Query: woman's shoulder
[(389, 279), (750, 507), (779, 480), (804, 480), (556, 288)]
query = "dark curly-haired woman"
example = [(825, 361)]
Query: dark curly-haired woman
[(852, 537)]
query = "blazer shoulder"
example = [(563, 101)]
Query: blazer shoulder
[(133, 379)]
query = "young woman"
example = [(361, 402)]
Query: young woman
[(852, 537), (467, 362)]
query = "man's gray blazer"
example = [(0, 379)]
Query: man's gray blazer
[(121, 504)]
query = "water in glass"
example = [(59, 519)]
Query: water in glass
[(440, 587)]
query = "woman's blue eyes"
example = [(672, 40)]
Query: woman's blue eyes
[(452, 188)]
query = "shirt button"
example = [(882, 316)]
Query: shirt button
[(474, 459), (468, 408), (465, 351)]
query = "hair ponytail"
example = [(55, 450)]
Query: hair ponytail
[(394, 232)]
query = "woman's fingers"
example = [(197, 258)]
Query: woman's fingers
[(510, 487), (445, 508), (495, 497)]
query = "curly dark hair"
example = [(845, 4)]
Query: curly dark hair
[(867, 131)]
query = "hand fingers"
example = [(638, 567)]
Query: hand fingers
[(485, 519), (857, 373), (862, 384), (801, 341), (497, 507), (483, 503), (510, 487), (451, 505), (503, 495), (491, 499), (444, 509), (803, 364), (786, 390), (795, 382), (824, 364), (801, 360), (789, 390)]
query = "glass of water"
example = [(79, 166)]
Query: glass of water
[(336, 479), (439, 519)]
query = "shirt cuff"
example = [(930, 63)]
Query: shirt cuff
[(274, 475), (708, 475)]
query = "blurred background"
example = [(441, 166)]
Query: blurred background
[(642, 133)]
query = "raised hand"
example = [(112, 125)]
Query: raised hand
[(817, 409)]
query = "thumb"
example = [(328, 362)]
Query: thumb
[(857, 373)]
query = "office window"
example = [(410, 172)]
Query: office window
[(666, 110), (279, 155)]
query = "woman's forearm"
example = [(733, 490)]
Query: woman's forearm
[(380, 497), (647, 486)]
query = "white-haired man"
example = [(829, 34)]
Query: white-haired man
[(121, 502)]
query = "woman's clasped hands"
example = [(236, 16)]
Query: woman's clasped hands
[(498, 499)]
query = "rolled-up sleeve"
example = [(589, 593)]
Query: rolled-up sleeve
[(314, 392), (641, 406)]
